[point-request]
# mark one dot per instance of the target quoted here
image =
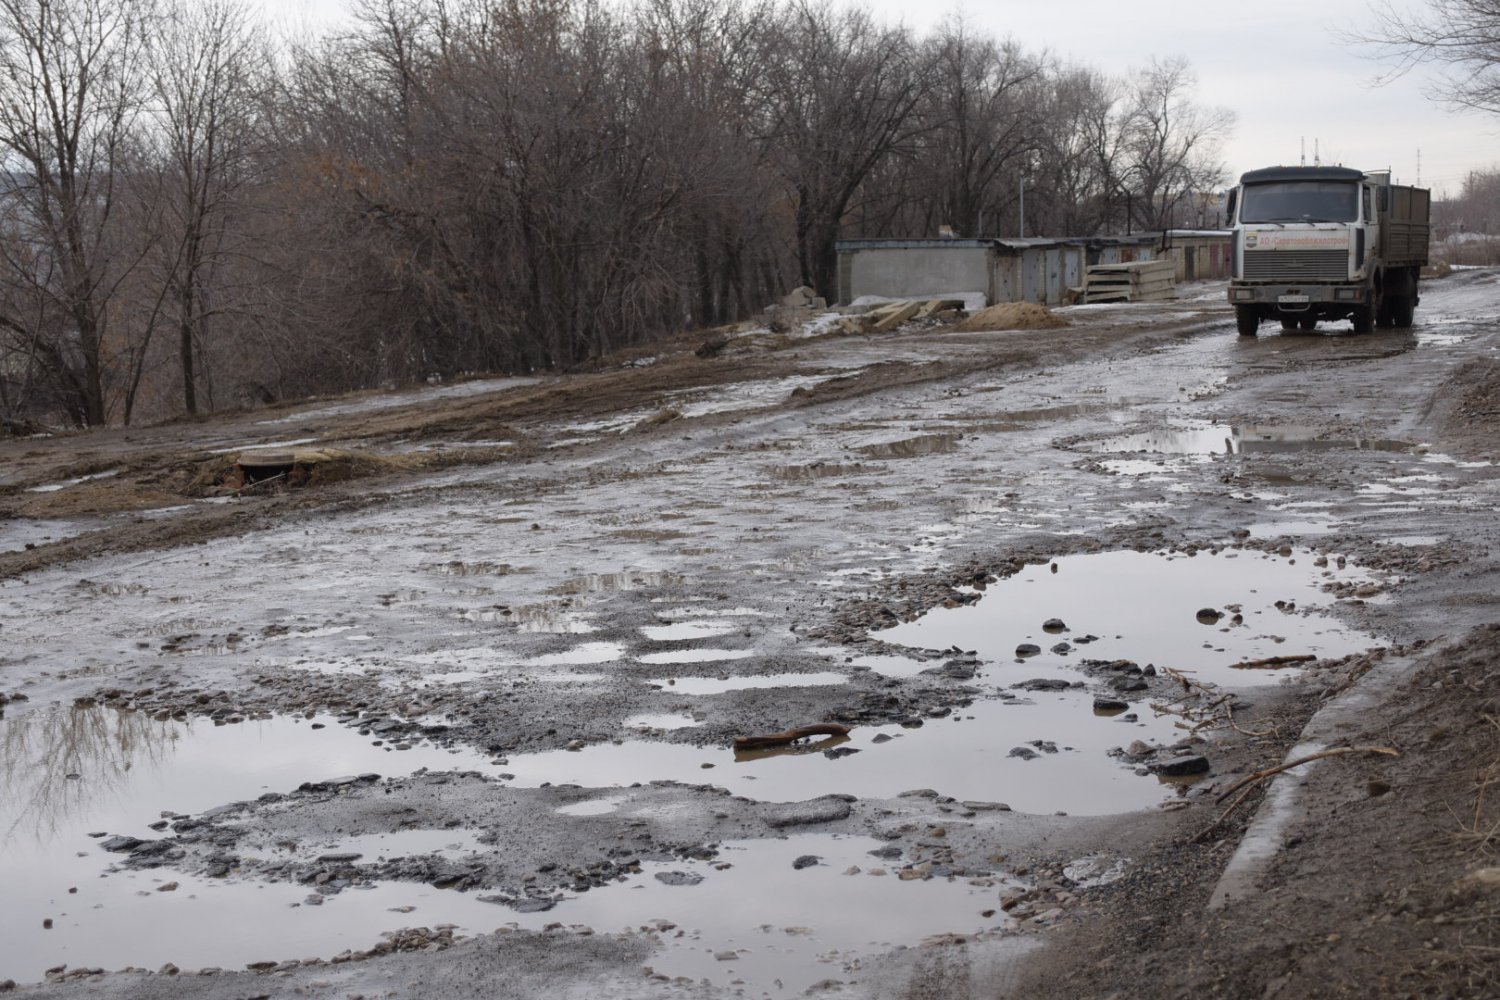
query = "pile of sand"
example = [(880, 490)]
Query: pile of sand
[(1013, 316)]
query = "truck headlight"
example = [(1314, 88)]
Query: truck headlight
[(1347, 294), (1241, 295)]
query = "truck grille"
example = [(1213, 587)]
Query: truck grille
[(1297, 265)]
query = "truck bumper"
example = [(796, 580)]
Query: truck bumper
[(1295, 298)]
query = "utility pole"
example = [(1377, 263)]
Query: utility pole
[(1022, 185)]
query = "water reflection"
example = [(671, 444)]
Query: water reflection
[(55, 763)]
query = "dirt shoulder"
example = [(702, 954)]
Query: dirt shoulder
[(1386, 886)]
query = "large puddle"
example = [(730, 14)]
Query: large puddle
[(1145, 607), (73, 774)]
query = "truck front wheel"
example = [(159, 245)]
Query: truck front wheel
[(1246, 320), (1363, 317)]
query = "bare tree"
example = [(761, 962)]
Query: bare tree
[(1463, 35), (1171, 143), (208, 77), (844, 93), (985, 108), (70, 93)]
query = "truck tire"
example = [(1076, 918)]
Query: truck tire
[(1308, 322), (1246, 320), (1363, 317), (1289, 323)]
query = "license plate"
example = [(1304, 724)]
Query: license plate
[(1292, 300)]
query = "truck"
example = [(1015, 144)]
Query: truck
[(1326, 243)]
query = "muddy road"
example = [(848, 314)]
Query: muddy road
[(457, 716)]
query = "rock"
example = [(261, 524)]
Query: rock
[(1054, 626), (120, 845), (340, 856), (683, 878), (806, 861), (887, 853), (986, 806), (1028, 649), (1044, 684), (1138, 748), (1062, 649), (1045, 746), (1025, 753), (838, 752), (1179, 766), (1209, 616), (1127, 684), (1104, 703), (167, 887), (828, 809)]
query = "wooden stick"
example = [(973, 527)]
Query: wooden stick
[(790, 736), (1249, 782), (1270, 771), (1273, 661)]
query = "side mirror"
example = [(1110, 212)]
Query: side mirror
[(1230, 204)]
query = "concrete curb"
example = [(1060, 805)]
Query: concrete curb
[(1332, 725)]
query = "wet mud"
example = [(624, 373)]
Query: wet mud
[(489, 699)]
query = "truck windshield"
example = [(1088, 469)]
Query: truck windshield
[(1300, 201)]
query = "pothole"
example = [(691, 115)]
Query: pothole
[(685, 630), (70, 774), (968, 755), (700, 655), (719, 685), (926, 444), (629, 580), (583, 654), (1144, 607)]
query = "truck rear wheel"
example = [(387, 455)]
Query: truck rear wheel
[(1402, 310), (1246, 321)]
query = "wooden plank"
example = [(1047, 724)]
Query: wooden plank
[(895, 319)]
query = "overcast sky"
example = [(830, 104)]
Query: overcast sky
[(1279, 65)]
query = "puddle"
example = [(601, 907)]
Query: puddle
[(679, 631), (892, 665), (20, 534), (67, 772), (581, 655), (1144, 607), (696, 656), (56, 487), (788, 928), (1221, 439), (536, 618), (1293, 528), (718, 685), (457, 567), (594, 583), (927, 444), (967, 756)]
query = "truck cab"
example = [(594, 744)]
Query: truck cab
[(1321, 243)]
